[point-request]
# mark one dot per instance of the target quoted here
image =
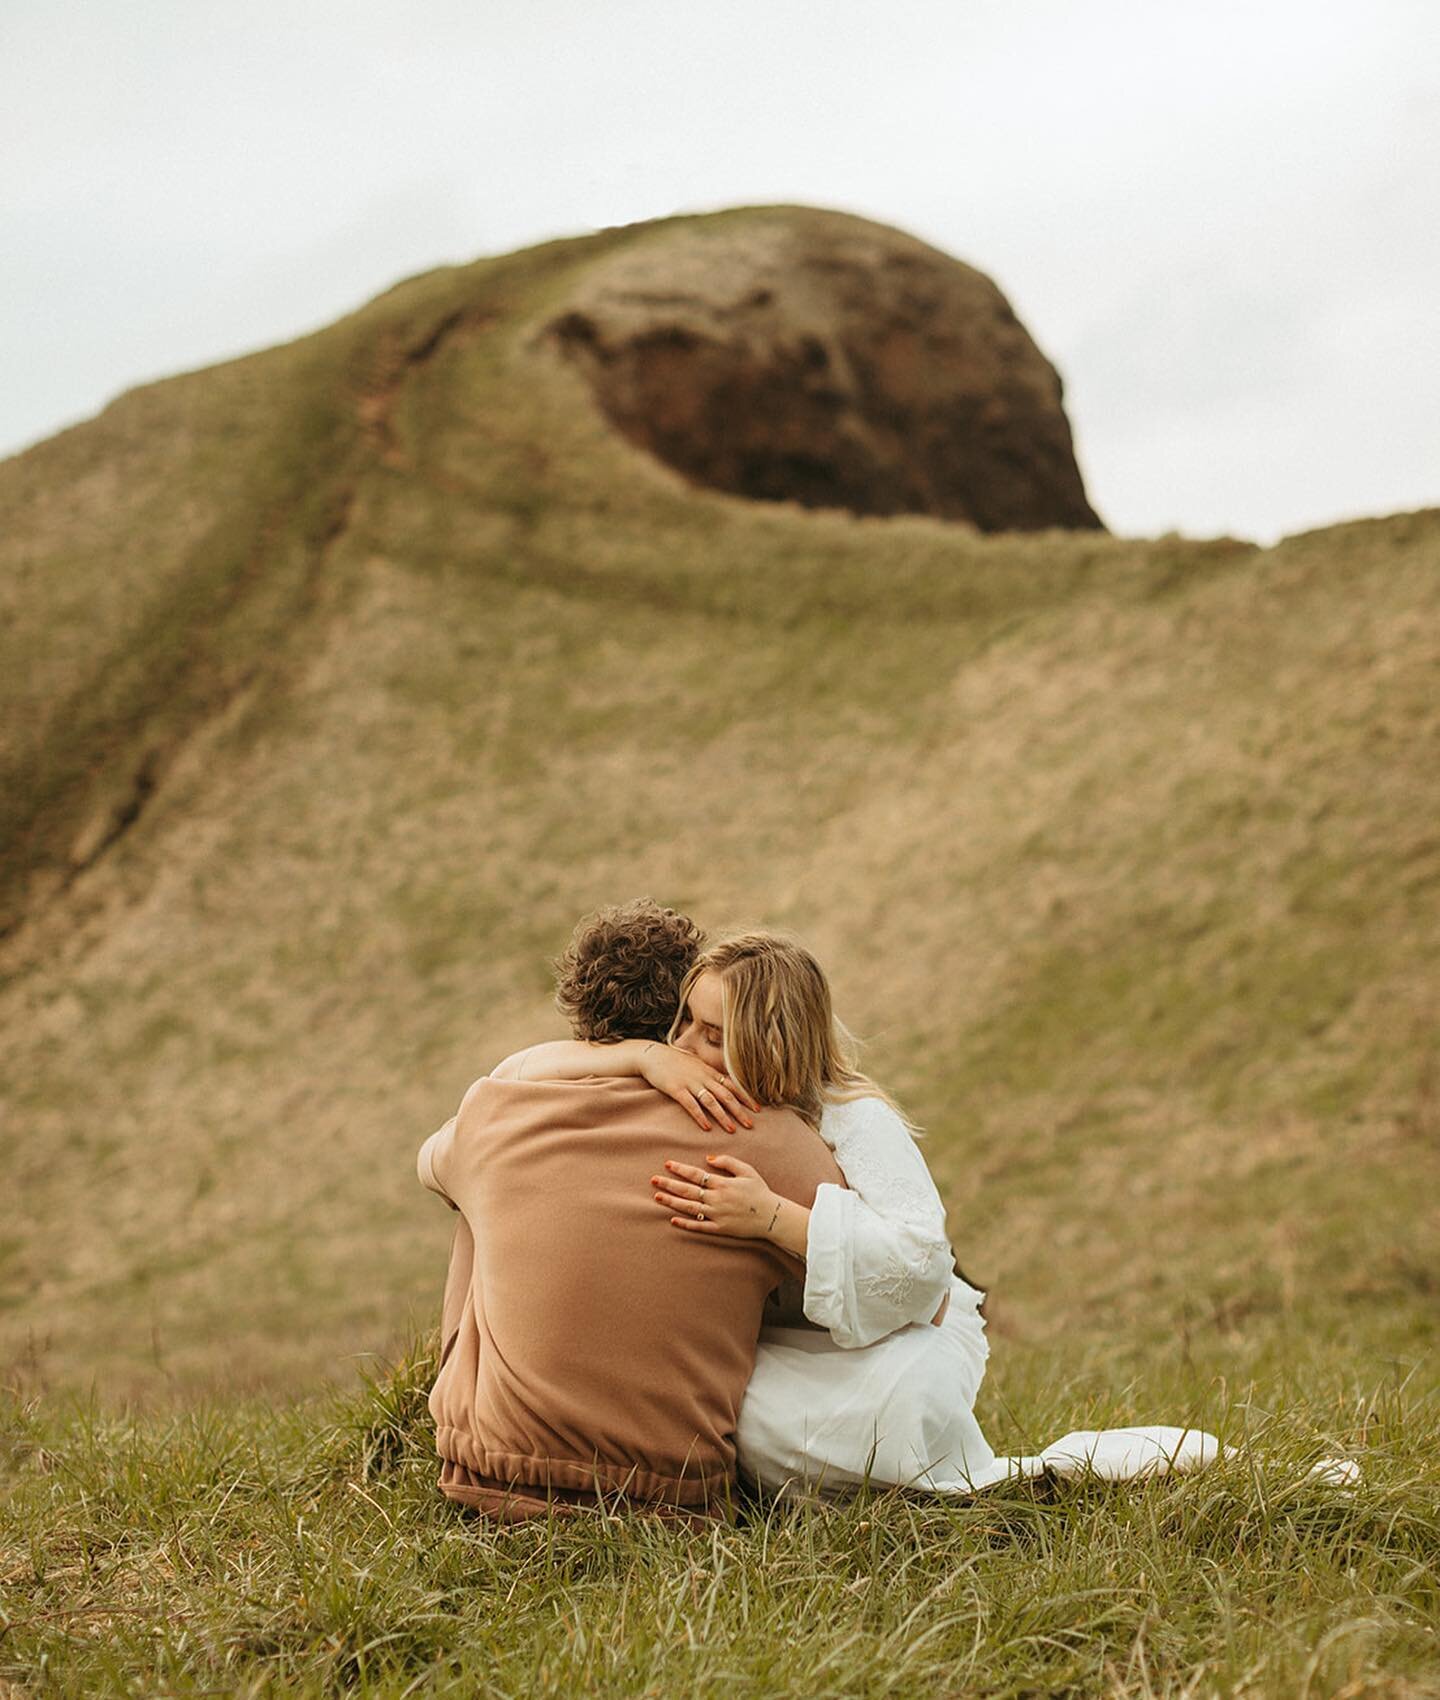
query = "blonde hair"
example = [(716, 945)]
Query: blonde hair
[(783, 1041)]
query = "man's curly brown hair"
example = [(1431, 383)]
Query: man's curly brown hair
[(619, 977)]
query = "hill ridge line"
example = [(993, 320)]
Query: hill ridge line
[(131, 794)]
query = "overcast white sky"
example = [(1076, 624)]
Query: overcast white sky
[(1220, 220)]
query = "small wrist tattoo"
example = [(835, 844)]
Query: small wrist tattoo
[(777, 1212)]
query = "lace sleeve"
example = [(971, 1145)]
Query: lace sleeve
[(877, 1255)]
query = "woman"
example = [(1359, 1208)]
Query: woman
[(886, 1393)]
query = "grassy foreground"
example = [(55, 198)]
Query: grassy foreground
[(237, 1551)]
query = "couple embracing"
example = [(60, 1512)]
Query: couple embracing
[(695, 1242)]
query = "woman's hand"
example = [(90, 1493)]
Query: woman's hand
[(695, 1086), (735, 1201)]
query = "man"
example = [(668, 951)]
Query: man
[(588, 1352)]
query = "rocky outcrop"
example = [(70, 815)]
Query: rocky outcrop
[(793, 355)]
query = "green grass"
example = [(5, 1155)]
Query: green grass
[(249, 1552)]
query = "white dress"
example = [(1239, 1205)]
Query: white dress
[(877, 1392)]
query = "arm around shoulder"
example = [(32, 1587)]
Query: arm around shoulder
[(572, 1059)]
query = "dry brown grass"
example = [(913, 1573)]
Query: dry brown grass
[(1123, 853)]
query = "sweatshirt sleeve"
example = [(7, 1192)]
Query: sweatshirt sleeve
[(431, 1162), (877, 1255), (436, 1163)]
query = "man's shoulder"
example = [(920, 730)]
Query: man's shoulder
[(592, 1100), (500, 1087), (778, 1122), (786, 1141)]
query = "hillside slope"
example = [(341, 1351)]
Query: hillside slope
[(340, 680)]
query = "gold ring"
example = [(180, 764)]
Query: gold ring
[(699, 1215)]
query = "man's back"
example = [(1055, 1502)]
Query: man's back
[(586, 1343)]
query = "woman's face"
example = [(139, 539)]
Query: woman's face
[(702, 1030)]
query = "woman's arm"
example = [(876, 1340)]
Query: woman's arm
[(873, 1264), (731, 1198), (694, 1085), (572, 1059), (878, 1255)]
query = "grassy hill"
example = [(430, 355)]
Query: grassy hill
[(339, 680), (336, 682)]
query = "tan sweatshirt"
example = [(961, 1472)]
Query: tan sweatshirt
[(588, 1347)]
